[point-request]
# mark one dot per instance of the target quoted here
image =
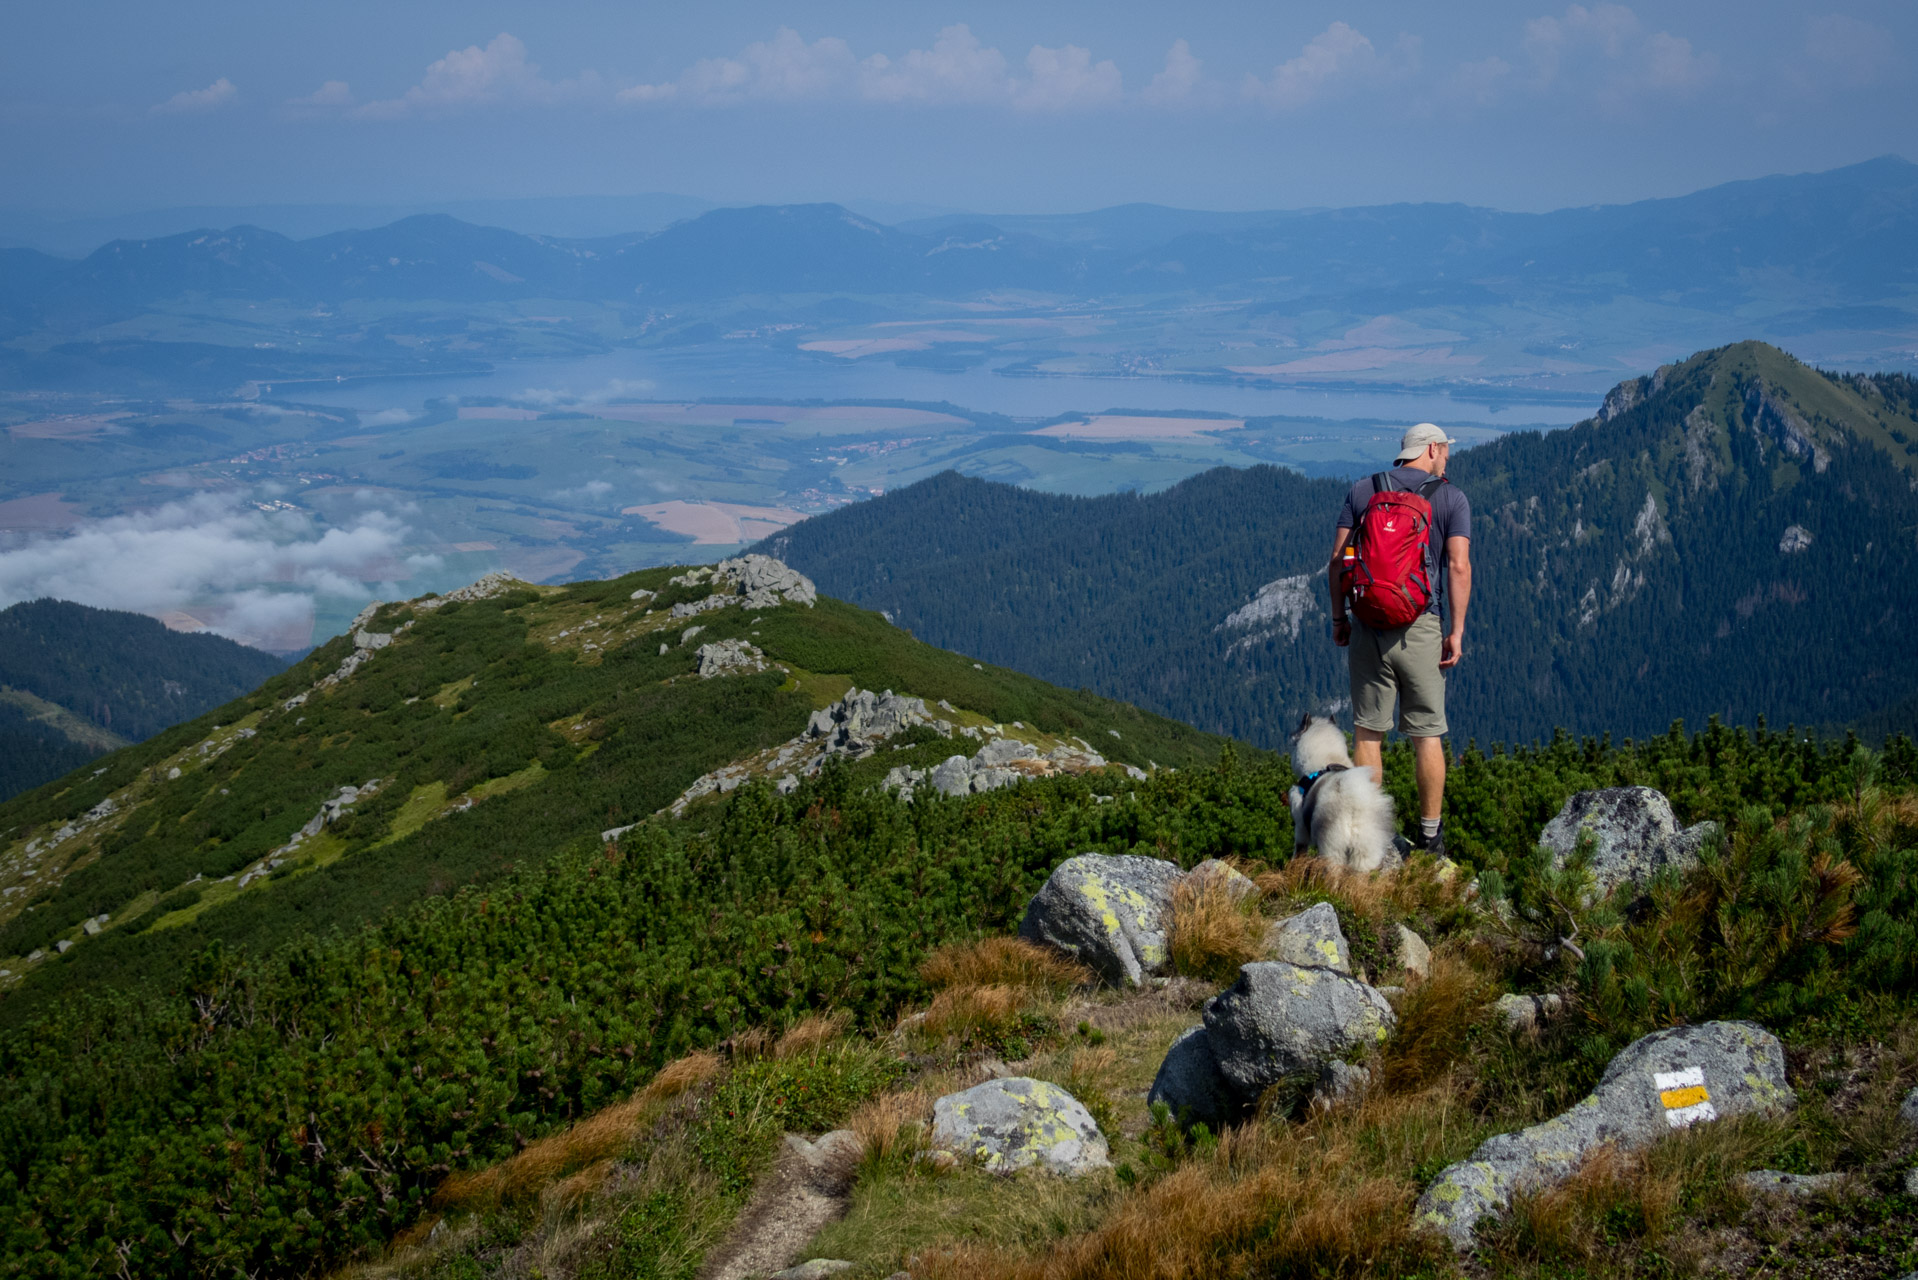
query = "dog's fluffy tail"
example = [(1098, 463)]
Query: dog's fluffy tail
[(1353, 824)]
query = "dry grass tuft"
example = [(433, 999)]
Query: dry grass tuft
[(753, 1042), (968, 1013), (675, 1078), (809, 1035), (891, 1127), (1211, 933), (1436, 1020), (1003, 962), (1269, 1201), (591, 1142)]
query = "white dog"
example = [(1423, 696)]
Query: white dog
[(1336, 806)]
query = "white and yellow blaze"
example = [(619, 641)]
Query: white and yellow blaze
[(1684, 1096)]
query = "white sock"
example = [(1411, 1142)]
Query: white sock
[(1428, 827)]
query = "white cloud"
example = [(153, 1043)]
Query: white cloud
[(1608, 43), (230, 564), (1181, 83), (1477, 84), (957, 70), (332, 94), (1066, 79), (1841, 53), (469, 78), (1337, 61), (784, 68), (193, 101)]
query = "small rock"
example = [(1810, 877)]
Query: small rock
[(1190, 1084), (814, 1270), (1018, 1122), (173, 773), (1414, 955), (689, 633), (1667, 1080), (1908, 1110), (1911, 1182), (1281, 1020), (1107, 911), (1238, 885), (1311, 938), (64, 945), (1772, 1182), (1524, 1013), (1339, 1080), (91, 928)]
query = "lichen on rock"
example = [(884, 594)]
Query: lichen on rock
[(1108, 911), (1019, 1122)]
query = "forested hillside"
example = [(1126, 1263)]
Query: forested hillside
[(119, 676), (1731, 535)]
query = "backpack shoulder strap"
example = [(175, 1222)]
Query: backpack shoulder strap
[(1382, 482), (1430, 487)]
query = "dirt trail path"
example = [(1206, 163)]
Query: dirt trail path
[(806, 1190)]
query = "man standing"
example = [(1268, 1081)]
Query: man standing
[(1408, 663)]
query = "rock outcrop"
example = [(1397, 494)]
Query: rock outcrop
[(755, 582), (1634, 835), (1665, 1081), (1016, 1123), (729, 658), (493, 584), (1000, 763), (1107, 911)]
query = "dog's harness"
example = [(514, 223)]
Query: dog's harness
[(1307, 783)]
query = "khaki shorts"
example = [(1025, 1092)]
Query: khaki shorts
[(1401, 664)]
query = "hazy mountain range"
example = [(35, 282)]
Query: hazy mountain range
[(1847, 237)]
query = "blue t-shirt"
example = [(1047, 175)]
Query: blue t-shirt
[(1451, 518)]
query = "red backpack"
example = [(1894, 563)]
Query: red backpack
[(1383, 567)]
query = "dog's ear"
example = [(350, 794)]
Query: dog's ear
[(1305, 722)]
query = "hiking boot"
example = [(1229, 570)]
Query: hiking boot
[(1435, 845), (1401, 846)]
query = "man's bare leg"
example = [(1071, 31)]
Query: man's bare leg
[(1367, 753), (1429, 758)]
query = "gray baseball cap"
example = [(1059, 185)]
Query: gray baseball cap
[(1417, 439)]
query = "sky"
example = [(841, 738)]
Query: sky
[(113, 106)]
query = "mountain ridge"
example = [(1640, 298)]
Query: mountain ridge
[(1644, 541)]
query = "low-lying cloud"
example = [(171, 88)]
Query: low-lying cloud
[(243, 572)]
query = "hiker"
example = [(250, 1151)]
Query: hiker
[(1395, 532)]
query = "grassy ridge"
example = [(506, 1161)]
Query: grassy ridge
[(498, 739)]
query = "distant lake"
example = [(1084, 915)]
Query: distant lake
[(707, 374)]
